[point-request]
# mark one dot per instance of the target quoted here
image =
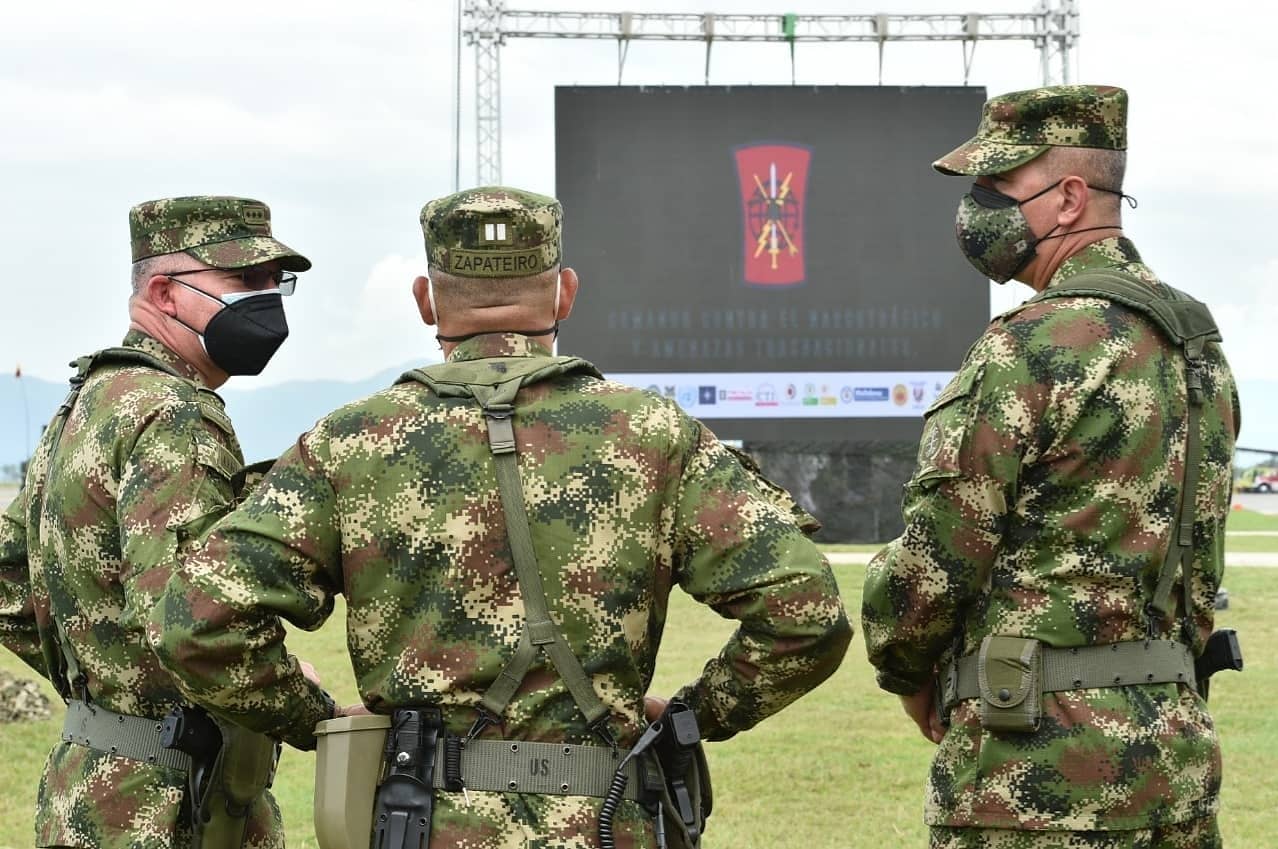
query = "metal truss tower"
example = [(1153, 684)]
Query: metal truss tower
[(1052, 27)]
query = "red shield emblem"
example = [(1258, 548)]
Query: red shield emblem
[(774, 183)]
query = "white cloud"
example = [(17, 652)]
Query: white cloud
[(357, 334), (339, 115), (1249, 321)]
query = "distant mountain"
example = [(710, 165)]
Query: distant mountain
[(269, 420), (26, 405)]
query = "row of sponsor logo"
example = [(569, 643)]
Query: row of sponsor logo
[(916, 394)]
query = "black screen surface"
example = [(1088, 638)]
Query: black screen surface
[(780, 260)]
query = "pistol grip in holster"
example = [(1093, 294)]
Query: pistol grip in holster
[(405, 801), (1222, 651), (687, 776)]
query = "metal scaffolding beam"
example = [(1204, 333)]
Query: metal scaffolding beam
[(1052, 27)]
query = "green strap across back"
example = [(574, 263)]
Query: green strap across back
[(1190, 326), (73, 675), (494, 383)]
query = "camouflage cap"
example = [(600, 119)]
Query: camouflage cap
[(224, 232), (1019, 126), (493, 231)]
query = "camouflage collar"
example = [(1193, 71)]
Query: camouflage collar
[(497, 345), (139, 341), (1115, 252)]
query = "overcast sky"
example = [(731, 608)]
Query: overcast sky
[(339, 115)]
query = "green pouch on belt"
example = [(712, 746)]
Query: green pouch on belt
[(1010, 675)]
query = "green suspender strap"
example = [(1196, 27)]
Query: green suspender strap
[(494, 385), (72, 678), (1189, 324)]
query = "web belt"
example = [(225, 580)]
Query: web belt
[(133, 737), (1087, 667), (552, 769)]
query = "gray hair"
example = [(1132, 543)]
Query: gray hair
[(468, 293), (143, 270), (1101, 168)]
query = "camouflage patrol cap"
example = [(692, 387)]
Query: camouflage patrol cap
[(224, 232), (493, 231), (1019, 126)]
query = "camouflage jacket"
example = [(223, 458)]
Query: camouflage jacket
[(1048, 477), (392, 501), (145, 462)]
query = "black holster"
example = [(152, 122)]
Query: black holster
[(687, 775), (405, 801), (1222, 651)]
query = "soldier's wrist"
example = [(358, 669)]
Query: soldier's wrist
[(330, 705)]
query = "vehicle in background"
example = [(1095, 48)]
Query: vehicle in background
[(1258, 479)]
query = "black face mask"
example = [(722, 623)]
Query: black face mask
[(245, 333)]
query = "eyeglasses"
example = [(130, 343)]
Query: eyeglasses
[(253, 277)]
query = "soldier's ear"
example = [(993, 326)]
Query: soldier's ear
[(159, 292), (567, 293), (421, 294), (1074, 201)]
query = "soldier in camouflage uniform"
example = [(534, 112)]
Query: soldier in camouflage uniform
[(1046, 498), (140, 459), (393, 502)]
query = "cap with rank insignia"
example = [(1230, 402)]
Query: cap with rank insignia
[(493, 231), (224, 232)]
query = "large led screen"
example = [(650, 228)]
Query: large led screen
[(779, 260)]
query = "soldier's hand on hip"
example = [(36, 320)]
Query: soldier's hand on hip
[(921, 707), (653, 707)]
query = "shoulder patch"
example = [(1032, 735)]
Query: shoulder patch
[(212, 411), (960, 386), (945, 428), (216, 457)]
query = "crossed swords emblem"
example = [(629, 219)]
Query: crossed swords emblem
[(773, 231)]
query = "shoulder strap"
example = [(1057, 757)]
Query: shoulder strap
[(457, 380), (1188, 324), (131, 356), (1185, 321), (71, 677), (494, 383), (74, 679)]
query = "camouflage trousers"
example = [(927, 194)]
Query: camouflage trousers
[(1200, 833)]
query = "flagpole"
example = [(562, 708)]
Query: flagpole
[(26, 414)]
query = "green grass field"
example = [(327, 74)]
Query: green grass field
[(841, 768)]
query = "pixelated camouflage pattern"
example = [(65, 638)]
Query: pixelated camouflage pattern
[(995, 241), (1201, 833), (224, 232), (392, 501), (457, 241), (1021, 125), (21, 699), (146, 462), (1048, 476)]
